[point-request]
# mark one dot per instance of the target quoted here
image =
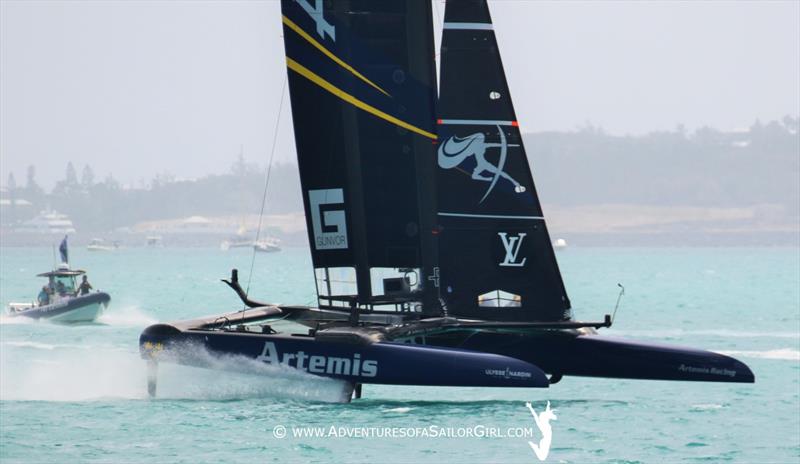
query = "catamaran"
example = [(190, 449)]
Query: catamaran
[(431, 253)]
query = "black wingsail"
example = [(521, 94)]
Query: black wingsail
[(362, 84), (496, 259)]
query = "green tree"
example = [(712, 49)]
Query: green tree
[(110, 183), (241, 168), (33, 192), (12, 183), (87, 177), (793, 124), (31, 179), (71, 179)]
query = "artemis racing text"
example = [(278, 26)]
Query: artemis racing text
[(316, 364)]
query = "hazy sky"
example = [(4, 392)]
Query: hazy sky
[(143, 87)]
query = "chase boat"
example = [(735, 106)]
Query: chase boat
[(431, 253), (59, 300), (63, 303)]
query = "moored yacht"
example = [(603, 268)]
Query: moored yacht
[(241, 240), (98, 244), (267, 245), (48, 222)]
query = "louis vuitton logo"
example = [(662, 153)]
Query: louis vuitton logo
[(512, 245)]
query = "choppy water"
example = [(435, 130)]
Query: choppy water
[(77, 394)]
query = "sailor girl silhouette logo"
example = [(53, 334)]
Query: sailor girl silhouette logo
[(543, 422), (457, 149)]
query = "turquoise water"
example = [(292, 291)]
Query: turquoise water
[(77, 394)]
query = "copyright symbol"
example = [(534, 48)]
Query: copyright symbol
[(279, 431)]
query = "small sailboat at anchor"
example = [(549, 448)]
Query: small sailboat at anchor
[(431, 253)]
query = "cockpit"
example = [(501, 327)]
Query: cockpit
[(60, 283), (63, 285)]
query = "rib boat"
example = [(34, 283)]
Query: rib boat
[(61, 300)]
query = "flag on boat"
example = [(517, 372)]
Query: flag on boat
[(63, 250)]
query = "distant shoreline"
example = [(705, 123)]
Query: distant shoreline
[(666, 239)]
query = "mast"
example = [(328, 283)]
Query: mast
[(420, 37)]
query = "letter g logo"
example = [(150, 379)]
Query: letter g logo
[(330, 227)]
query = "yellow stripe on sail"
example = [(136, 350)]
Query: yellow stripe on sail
[(308, 74), (330, 55)]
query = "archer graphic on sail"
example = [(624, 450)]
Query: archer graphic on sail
[(456, 149)]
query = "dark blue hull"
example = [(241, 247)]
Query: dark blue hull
[(578, 353), (446, 355), (355, 361)]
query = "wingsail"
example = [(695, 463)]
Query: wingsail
[(362, 84), (496, 261)]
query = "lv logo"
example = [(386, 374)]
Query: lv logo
[(512, 246)]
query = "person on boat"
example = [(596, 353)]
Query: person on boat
[(60, 288), (84, 287), (44, 296)]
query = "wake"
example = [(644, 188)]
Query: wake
[(126, 316), (709, 332), (785, 354), (35, 371), (5, 319)]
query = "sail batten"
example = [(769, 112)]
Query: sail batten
[(469, 26), (491, 216), (477, 122)]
